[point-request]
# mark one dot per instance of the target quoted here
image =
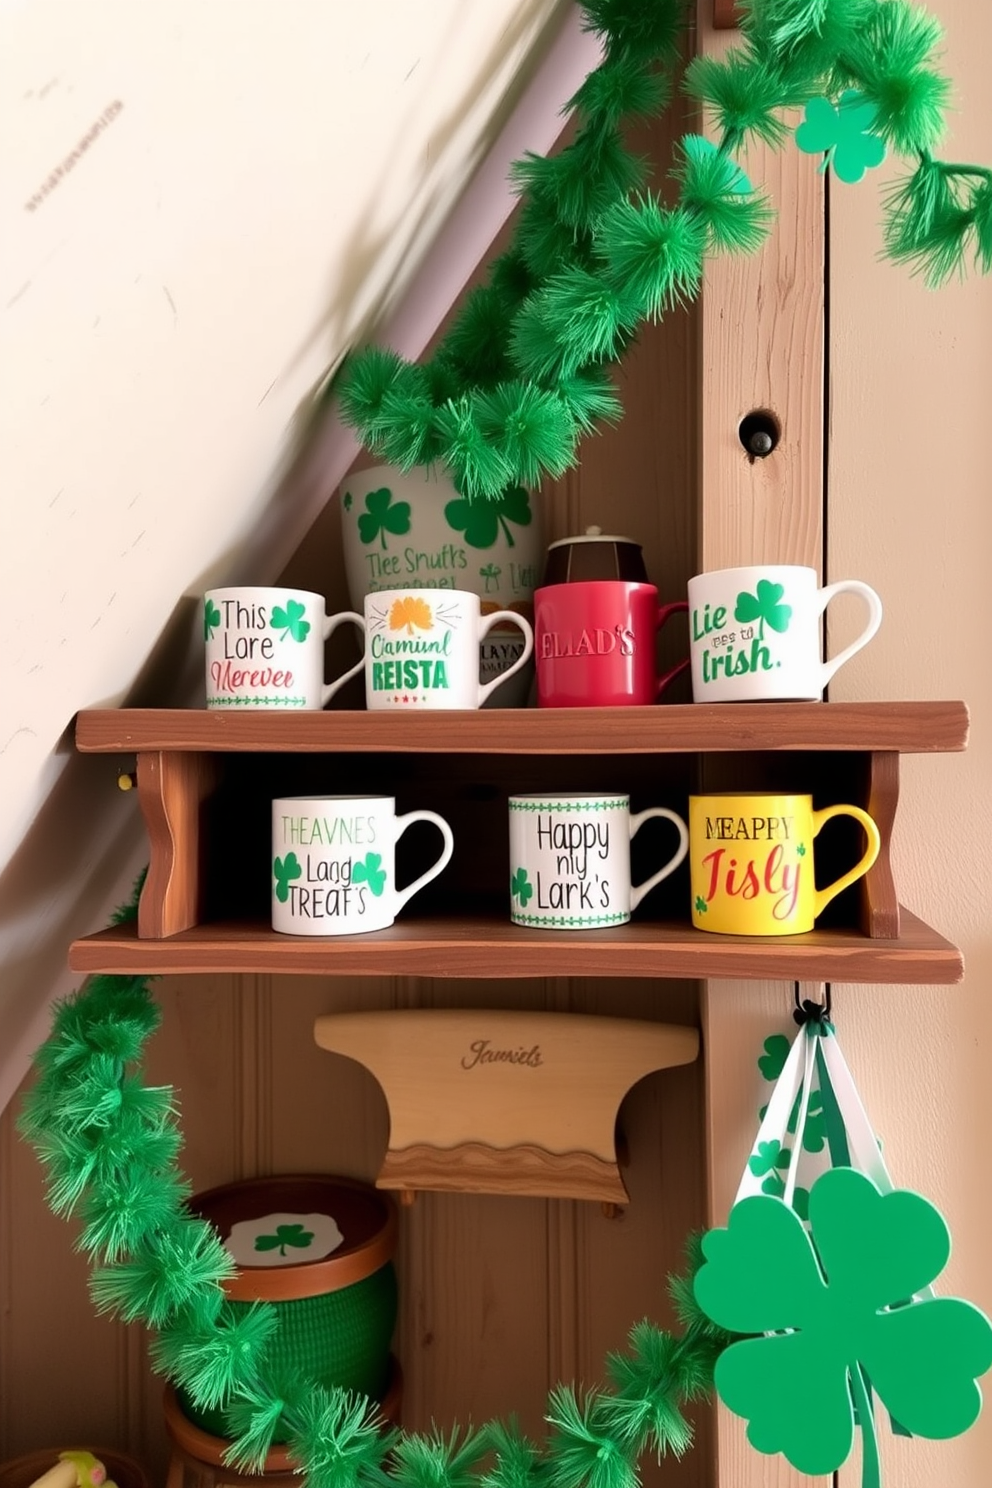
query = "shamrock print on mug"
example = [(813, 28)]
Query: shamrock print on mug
[(754, 633)]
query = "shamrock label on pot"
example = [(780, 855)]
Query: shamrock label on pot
[(283, 1239), (481, 521), (382, 515)]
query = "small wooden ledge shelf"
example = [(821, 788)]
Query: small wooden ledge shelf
[(504, 1102), (684, 728), (487, 947)]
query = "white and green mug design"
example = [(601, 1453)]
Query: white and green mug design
[(570, 860), (265, 649), (334, 863), (755, 633), (422, 649)]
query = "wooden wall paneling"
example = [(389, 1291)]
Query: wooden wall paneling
[(61, 1367), (762, 347), (474, 1276), (622, 1264), (328, 1114)]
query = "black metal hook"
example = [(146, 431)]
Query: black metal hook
[(807, 1011)]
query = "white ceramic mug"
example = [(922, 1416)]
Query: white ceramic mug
[(334, 863), (422, 649), (265, 648), (570, 860), (754, 633)]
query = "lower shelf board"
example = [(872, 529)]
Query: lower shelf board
[(491, 947)]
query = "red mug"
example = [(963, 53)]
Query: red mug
[(594, 644)]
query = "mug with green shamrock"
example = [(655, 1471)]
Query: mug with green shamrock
[(334, 863), (265, 649), (754, 633)]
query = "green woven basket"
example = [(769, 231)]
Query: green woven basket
[(336, 1311)]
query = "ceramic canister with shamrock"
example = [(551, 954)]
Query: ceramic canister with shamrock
[(334, 863), (265, 648), (754, 633)]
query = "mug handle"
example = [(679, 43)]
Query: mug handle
[(486, 688), (676, 607), (331, 623), (402, 822), (637, 893), (822, 897), (853, 586)]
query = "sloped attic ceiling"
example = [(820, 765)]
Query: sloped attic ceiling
[(203, 205)]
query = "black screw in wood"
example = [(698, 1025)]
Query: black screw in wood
[(759, 432)]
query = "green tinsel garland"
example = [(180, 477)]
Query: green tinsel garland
[(110, 1144), (523, 373)]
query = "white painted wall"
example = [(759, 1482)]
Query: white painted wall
[(260, 182), (910, 511)]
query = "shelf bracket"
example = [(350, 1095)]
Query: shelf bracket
[(171, 791)]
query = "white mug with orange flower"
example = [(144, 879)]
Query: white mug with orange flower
[(422, 649)]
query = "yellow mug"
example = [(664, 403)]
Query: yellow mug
[(751, 861)]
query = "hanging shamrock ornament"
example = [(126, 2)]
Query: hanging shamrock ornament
[(833, 1282), (839, 1304)]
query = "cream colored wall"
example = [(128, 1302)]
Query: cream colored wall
[(259, 182), (910, 511)]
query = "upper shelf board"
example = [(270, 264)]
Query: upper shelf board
[(902, 727), (490, 947)]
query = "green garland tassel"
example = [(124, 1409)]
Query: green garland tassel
[(522, 375)]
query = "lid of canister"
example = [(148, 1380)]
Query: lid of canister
[(594, 554)]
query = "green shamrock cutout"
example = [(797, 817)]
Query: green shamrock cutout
[(768, 1156), (732, 179), (843, 134), (481, 520), (290, 620), (286, 1234), (381, 516), (285, 871), (838, 1308), (701, 905), (369, 872), (520, 887), (772, 1062), (764, 604), (211, 619)]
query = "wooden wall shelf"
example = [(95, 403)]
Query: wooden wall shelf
[(492, 947), (181, 756)]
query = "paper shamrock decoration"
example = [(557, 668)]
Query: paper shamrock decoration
[(832, 1281), (843, 134), (836, 1305)]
